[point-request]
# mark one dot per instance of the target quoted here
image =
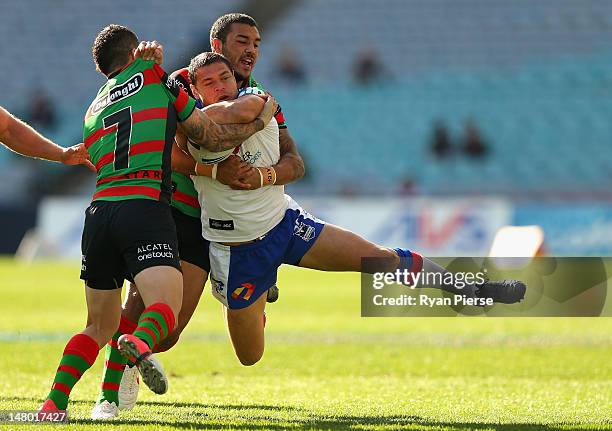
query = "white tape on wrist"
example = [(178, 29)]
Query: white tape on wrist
[(260, 177), (214, 171)]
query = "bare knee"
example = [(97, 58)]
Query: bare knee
[(170, 341), (102, 329), (249, 358)]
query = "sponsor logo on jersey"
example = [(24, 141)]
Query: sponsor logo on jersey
[(221, 224), (246, 288), (119, 92), (304, 231)]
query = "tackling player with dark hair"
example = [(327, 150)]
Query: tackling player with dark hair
[(237, 38), (128, 131)]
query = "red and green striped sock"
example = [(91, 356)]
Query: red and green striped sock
[(114, 364), (79, 355), (155, 323)]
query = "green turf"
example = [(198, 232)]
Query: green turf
[(324, 367)]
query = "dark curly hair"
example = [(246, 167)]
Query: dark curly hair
[(112, 47)]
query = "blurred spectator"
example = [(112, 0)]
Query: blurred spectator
[(368, 68), (41, 110), (473, 145), (290, 69), (440, 141)]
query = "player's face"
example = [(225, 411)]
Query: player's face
[(215, 83), (242, 49)]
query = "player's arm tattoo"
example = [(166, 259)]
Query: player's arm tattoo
[(290, 166), (242, 110), (218, 137), (215, 137)]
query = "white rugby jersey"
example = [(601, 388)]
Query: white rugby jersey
[(243, 215)]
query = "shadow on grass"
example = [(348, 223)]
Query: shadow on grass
[(303, 419)]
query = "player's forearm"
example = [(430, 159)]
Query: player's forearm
[(290, 166), (242, 110), (23, 139), (218, 137)]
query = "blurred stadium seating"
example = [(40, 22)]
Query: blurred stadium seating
[(533, 76)]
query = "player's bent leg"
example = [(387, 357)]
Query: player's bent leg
[(337, 249), (246, 330), (82, 350), (194, 279), (161, 284), (161, 289)]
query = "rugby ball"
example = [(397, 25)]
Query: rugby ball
[(206, 157)]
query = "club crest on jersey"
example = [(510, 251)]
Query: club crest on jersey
[(246, 288), (119, 92)]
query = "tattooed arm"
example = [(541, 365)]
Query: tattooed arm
[(242, 110), (215, 137)]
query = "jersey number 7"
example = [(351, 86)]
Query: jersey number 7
[(123, 120)]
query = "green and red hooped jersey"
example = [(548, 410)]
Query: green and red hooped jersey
[(184, 194), (129, 129)]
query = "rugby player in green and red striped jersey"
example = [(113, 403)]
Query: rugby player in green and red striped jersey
[(129, 232), (237, 37), (195, 265)]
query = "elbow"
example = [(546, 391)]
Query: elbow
[(301, 170)]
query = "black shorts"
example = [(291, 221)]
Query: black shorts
[(193, 248), (122, 238)]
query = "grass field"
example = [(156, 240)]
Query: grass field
[(325, 367)]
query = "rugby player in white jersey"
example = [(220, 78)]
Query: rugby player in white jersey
[(252, 232)]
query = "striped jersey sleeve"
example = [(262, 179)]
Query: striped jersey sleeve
[(278, 115), (183, 103)]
